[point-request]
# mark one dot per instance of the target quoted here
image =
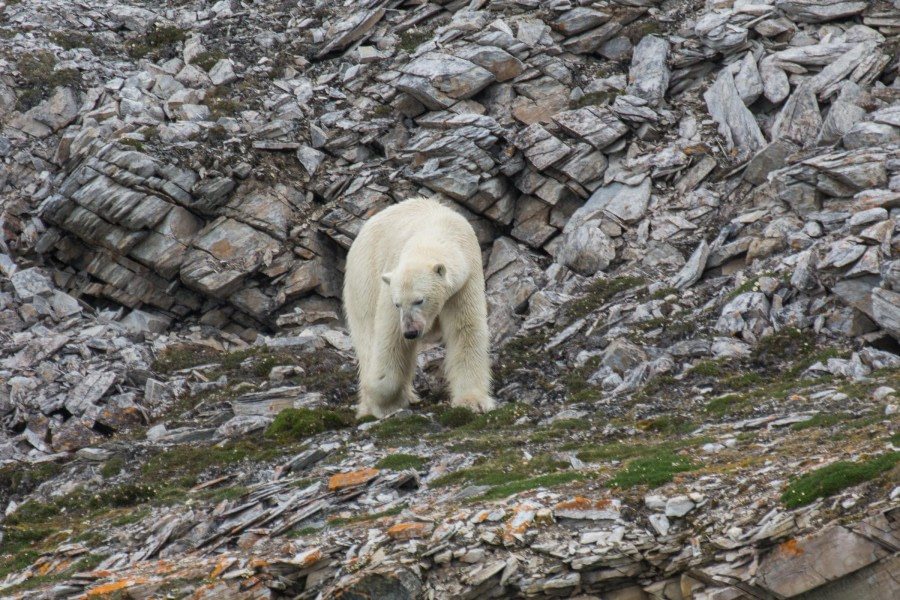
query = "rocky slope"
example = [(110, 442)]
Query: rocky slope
[(688, 214)]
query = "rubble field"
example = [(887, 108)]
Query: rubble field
[(688, 213)]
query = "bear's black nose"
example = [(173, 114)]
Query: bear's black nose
[(410, 335)]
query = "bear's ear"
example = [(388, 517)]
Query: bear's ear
[(440, 270), (386, 277)]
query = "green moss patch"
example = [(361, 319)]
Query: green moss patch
[(301, 423), (397, 429), (652, 471), (413, 38), (603, 98), (707, 368), (207, 59), (342, 521), (303, 532), (499, 418), (21, 479), (599, 292), (668, 424), (546, 481), (730, 404), (503, 468), (833, 478), (112, 467), (39, 77), (222, 102), (180, 466), (401, 462), (560, 430), (456, 416), (822, 420), (160, 42)]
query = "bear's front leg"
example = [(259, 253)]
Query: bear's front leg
[(387, 385), (468, 364)]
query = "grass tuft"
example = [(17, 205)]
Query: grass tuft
[(833, 478), (401, 462), (652, 471)]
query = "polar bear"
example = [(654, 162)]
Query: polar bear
[(415, 270)]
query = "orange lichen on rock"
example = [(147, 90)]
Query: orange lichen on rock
[(345, 480), (408, 531), (582, 503), (308, 558), (163, 567), (522, 517), (115, 586), (222, 565), (791, 548)]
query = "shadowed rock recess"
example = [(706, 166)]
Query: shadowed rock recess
[(689, 215)]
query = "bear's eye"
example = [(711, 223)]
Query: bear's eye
[(397, 304), (418, 302)]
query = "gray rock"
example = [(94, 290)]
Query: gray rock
[(618, 48), (857, 292), (776, 86), (622, 356), (842, 253), (586, 249), (140, 321), (769, 159), (736, 123), (827, 81), (746, 312), (840, 118), (29, 283), (819, 11), (350, 30), (804, 276), (836, 551), (748, 81), (502, 65), (310, 158), (578, 20), (625, 202), (595, 39), (889, 116), (540, 147), (585, 165), (64, 305), (693, 268), (660, 523), (89, 391), (531, 221), (649, 73), (453, 180), (799, 120), (511, 277), (437, 80), (597, 126), (222, 73), (886, 310), (58, 111), (133, 18), (867, 133), (716, 31), (678, 506), (223, 254), (634, 109)]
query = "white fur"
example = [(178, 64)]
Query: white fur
[(417, 250)]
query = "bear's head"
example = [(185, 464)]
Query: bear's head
[(418, 291)]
